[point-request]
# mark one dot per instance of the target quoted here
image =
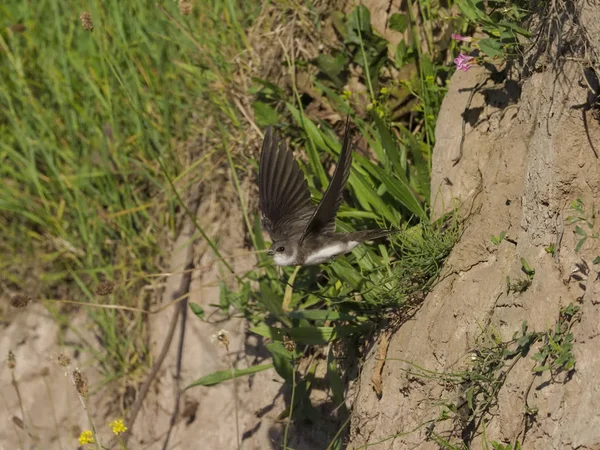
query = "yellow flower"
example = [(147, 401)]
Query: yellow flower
[(86, 437), (346, 94), (370, 106), (384, 90), (118, 426), (381, 113)]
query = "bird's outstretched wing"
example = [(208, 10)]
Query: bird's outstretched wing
[(285, 202), (323, 219)]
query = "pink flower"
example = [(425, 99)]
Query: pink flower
[(463, 62), (458, 37)]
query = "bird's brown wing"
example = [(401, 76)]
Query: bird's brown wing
[(285, 202), (323, 219)]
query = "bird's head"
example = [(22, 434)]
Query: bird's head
[(284, 252)]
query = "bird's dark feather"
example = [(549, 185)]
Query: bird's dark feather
[(323, 218), (284, 197)]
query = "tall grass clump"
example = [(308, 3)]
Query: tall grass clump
[(84, 88)]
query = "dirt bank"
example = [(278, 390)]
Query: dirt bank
[(529, 151)]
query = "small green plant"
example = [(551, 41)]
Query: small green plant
[(550, 249), (526, 268), (556, 352), (499, 446), (588, 221), (497, 239), (501, 21), (523, 283), (488, 366), (491, 361)]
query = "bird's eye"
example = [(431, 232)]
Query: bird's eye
[(280, 249)]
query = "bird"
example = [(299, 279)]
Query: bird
[(303, 234)]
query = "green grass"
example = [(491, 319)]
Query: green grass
[(85, 197)]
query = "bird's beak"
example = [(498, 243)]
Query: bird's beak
[(270, 253)]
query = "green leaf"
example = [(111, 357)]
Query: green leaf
[(399, 189), (580, 231), (346, 273), (398, 22), (308, 335), (389, 144), (315, 140), (264, 114), (224, 375), (374, 57), (338, 19), (359, 25), (320, 314), (270, 90), (367, 197), (403, 53), (472, 12), (420, 173), (596, 260), (469, 394), (508, 37), (491, 47), (322, 335), (335, 381), (197, 310), (580, 244), (281, 360), (333, 66), (224, 296), (268, 332), (514, 27), (269, 299), (497, 239), (527, 268)]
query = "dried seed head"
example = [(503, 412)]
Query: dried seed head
[(63, 360), (11, 361), (105, 288), (185, 7), (86, 21), (289, 344), (222, 338), (81, 383), (20, 301)]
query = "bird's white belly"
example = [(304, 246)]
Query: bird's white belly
[(284, 260), (326, 253)]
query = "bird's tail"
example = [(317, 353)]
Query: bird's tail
[(369, 235)]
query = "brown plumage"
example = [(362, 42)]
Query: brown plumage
[(302, 233)]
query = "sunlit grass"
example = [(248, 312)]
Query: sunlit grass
[(84, 196)]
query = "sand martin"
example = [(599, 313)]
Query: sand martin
[(303, 234)]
